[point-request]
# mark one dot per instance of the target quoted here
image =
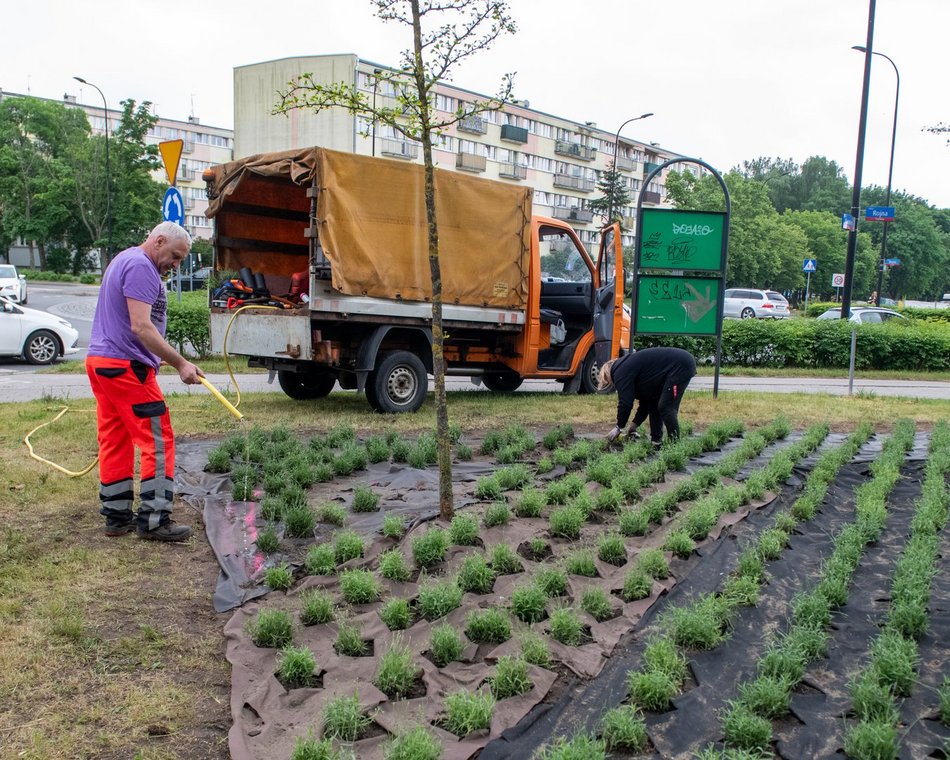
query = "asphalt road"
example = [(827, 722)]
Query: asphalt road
[(20, 381)]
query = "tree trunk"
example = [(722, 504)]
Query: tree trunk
[(444, 445)]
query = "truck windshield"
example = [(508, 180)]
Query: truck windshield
[(561, 261)]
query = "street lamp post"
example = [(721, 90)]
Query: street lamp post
[(890, 171), (105, 113), (610, 207)]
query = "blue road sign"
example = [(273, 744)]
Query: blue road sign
[(810, 265), (847, 222), (173, 207), (892, 262), (879, 214)]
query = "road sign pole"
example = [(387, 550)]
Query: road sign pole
[(807, 289)]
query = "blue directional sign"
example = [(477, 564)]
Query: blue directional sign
[(879, 214), (847, 222), (173, 207), (892, 262), (810, 265)]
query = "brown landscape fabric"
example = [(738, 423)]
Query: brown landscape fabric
[(372, 225)]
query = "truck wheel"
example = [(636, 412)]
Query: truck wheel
[(589, 370), (41, 348), (398, 384), (304, 386), (502, 382)]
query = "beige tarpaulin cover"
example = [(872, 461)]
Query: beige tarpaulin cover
[(372, 225)]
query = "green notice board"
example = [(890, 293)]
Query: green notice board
[(684, 240), (676, 305)]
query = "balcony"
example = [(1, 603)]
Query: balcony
[(189, 204), (474, 124), (571, 182), (185, 174), (469, 162), (573, 214), (649, 166), (398, 149), (187, 146), (512, 133), (649, 196), (575, 150), (626, 164), (510, 170), (628, 222)]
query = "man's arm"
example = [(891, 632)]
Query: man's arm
[(143, 329)]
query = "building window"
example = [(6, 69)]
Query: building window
[(445, 103)]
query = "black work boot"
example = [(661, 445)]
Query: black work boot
[(167, 531), (119, 528)]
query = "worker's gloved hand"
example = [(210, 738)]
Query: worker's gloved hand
[(614, 434), (633, 434)]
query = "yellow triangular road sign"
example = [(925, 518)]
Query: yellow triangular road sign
[(171, 155)]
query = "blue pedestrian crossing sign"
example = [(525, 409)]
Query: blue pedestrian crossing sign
[(810, 265), (173, 207)]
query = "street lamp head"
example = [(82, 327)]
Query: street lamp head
[(644, 116), (859, 48), (80, 79)]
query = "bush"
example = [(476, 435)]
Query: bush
[(511, 677), (467, 712), (429, 548), (488, 626), (343, 719), (415, 744), (188, 324), (397, 672), (271, 628), (447, 645)]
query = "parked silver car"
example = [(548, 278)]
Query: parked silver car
[(12, 285), (744, 303), (866, 315)]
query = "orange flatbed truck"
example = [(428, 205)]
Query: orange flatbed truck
[(339, 242)]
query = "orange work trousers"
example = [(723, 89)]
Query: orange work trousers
[(131, 413)]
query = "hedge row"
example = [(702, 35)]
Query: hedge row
[(187, 327), (819, 344), (41, 275)]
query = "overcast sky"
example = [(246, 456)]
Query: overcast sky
[(727, 81)]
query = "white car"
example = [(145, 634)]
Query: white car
[(744, 303), (12, 285), (867, 315), (38, 337)]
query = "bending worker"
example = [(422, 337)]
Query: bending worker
[(657, 378), (125, 350)]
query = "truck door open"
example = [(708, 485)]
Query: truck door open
[(608, 295)]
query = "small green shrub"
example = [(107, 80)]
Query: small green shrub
[(596, 603), (528, 603), (633, 522), (343, 719), (396, 673), (765, 696), (513, 476), (295, 667), (299, 521), (267, 539), (624, 730), (377, 449), (551, 580), (365, 500), (359, 586), (415, 744), (530, 503), (871, 740), (661, 655), (504, 561), (679, 542), (396, 614), (581, 562), (393, 527), (316, 607), (537, 547), (497, 514), (279, 578), (566, 522), (746, 730), (447, 645), (320, 560), (463, 452), (488, 626), (580, 747), (636, 585), (271, 629), (511, 677), (652, 689), (219, 460), (475, 576), (429, 548), (438, 598), (534, 649), (463, 530), (393, 565), (653, 563), (488, 488), (347, 545), (349, 641), (272, 508), (566, 626), (331, 512), (467, 712)]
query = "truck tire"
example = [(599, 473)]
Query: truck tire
[(304, 386), (502, 382), (41, 347), (398, 384), (589, 370)]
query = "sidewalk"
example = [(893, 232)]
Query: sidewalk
[(29, 386)]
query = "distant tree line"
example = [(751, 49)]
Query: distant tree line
[(53, 182)]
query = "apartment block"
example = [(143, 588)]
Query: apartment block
[(561, 159)]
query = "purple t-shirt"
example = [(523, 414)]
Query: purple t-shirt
[(130, 275)]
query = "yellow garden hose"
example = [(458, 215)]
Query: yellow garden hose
[(55, 466)]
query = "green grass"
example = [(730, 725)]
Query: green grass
[(438, 598), (316, 607), (488, 626), (446, 645), (429, 548), (295, 667), (510, 677), (504, 560), (580, 747), (415, 744), (365, 499), (396, 673), (359, 586), (279, 578), (320, 560), (475, 576), (528, 603), (267, 539), (393, 527), (271, 628), (343, 719), (566, 627), (596, 603), (347, 545), (396, 614), (466, 711), (393, 565), (581, 562), (349, 641), (623, 729), (331, 512), (464, 530)]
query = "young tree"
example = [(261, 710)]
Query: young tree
[(454, 31), (615, 195)]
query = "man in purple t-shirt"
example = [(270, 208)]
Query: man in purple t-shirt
[(126, 348)]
